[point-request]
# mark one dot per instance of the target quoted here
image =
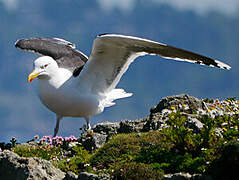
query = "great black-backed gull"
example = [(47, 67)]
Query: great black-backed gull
[(70, 84)]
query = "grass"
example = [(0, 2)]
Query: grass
[(46, 152), (77, 163)]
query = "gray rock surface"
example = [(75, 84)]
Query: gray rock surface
[(93, 141), (128, 126), (156, 120), (87, 176), (166, 102), (70, 176), (14, 167), (186, 176), (107, 128)]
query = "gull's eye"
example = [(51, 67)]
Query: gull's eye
[(44, 66)]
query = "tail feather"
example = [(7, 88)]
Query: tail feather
[(113, 95)]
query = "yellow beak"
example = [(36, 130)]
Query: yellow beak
[(32, 76)]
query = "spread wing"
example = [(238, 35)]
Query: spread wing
[(112, 54), (62, 51)]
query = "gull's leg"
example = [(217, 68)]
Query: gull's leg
[(88, 127), (57, 125)]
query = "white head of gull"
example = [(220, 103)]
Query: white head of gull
[(70, 84)]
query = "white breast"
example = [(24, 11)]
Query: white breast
[(66, 100)]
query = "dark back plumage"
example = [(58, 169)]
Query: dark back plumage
[(62, 51)]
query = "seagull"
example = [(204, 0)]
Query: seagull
[(71, 84)]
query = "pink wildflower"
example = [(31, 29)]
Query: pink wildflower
[(46, 139), (43, 139), (67, 139), (73, 138), (57, 140)]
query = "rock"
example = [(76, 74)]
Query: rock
[(186, 176), (156, 120), (194, 124), (70, 176), (153, 123), (126, 126), (167, 102), (87, 176), (99, 140), (92, 141), (129, 126), (15, 167), (177, 176), (108, 128)]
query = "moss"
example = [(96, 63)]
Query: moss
[(77, 163), (122, 147), (46, 152), (137, 171)]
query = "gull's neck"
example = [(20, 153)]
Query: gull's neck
[(58, 78)]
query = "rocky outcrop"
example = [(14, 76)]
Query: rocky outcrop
[(14, 167), (175, 101), (186, 176), (157, 119)]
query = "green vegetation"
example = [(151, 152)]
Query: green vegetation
[(47, 152), (173, 148), (77, 163)]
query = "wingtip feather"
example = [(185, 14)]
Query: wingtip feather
[(222, 65)]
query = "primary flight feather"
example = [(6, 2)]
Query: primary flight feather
[(70, 84)]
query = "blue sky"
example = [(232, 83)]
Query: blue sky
[(202, 7), (207, 27), (227, 7)]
